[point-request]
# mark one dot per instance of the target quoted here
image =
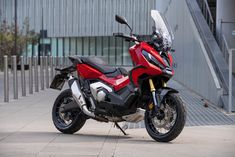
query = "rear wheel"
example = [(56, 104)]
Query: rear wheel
[(67, 122), (168, 122)]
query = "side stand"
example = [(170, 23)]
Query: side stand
[(118, 126)]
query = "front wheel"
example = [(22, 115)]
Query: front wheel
[(167, 123)]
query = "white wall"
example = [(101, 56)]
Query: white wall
[(193, 67)]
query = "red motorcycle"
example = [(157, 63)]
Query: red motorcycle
[(111, 94)]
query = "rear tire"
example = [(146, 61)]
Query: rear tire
[(178, 125), (77, 118)]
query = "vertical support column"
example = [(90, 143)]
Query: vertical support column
[(23, 86), (51, 67), (35, 60), (47, 71), (30, 75), (230, 81), (41, 73), (6, 80), (11, 65), (57, 61), (15, 79), (63, 58)]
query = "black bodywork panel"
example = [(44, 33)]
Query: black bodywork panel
[(118, 104)]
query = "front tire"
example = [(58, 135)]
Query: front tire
[(173, 124), (67, 122)]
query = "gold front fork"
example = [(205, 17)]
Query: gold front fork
[(153, 91), (152, 88)]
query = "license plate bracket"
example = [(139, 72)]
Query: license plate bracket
[(58, 82)]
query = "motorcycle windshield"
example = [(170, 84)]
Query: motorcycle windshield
[(162, 27)]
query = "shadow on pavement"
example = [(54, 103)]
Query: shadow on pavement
[(56, 137)]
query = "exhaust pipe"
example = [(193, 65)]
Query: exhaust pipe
[(78, 96)]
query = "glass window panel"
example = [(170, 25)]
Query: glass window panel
[(53, 46), (79, 46), (36, 49), (112, 50), (66, 47), (119, 51), (99, 46), (24, 51), (60, 47), (73, 46), (29, 49), (105, 49), (126, 56), (85, 46), (92, 46)]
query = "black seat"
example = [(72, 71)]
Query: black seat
[(99, 64), (123, 71), (75, 60)]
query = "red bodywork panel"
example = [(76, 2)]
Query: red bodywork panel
[(142, 66), (88, 72)]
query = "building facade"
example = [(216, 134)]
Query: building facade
[(80, 27)]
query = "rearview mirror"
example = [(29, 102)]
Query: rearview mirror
[(120, 19)]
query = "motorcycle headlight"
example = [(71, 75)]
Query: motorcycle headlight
[(152, 59)]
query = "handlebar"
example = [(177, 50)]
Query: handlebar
[(153, 41), (126, 37)]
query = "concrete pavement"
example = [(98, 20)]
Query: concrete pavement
[(26, 129)]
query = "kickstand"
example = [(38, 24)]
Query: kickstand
[(118, 126)]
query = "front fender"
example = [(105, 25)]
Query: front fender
[(162, 92)]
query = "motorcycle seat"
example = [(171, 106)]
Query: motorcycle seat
[(100, 65), (119, 71)]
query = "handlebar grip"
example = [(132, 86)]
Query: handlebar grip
[(172, 50), (118, 34)]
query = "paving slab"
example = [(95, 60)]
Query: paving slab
[(26, 129), (197, 113)]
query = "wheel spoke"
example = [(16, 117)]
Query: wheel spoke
[(65, 119), (163, 126)]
